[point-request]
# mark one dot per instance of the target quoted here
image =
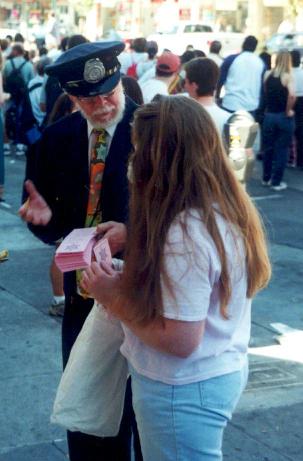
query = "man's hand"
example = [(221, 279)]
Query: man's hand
[(115, 233), (35, 210)]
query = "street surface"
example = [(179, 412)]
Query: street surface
[(267, 425)]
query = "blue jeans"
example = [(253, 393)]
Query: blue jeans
[(277, 132), (186, 422)]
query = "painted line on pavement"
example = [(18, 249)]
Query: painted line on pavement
[(266, 197)]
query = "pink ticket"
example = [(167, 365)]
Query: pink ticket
[(102, 251)]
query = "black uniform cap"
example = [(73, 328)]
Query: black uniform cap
[(88, 69)]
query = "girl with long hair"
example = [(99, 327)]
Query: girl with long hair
[(278, 125), (195, 255)]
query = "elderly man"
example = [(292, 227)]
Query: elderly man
[(81, 180)]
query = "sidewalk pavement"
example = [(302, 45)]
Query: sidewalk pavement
[(267, 425)]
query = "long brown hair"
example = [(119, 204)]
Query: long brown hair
[(179, 164)]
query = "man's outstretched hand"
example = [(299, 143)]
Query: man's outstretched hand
[(35, 210)]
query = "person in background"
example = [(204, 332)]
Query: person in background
[(241, 75), (195, 257), (145, 66), (42, 51), (19, 38), (279, 124), (8, 49), (201, 78), (167, 69), (132, 89), (177, 85), (3, 97), (138, 54), (63, 107), (214, 52), (34, 90), (4, 48), (297, 73), (51, 88), (80, 180), (17, 60), (266, 58), (199, 54)]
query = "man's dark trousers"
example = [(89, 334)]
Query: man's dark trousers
[(83, 447)]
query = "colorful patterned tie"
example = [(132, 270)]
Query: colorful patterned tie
[(97, 163), (98, 152)]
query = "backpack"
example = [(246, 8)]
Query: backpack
[(14, 83), (20, 120)]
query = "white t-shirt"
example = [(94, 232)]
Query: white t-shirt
[(152, 87), (151, 73), (218, 115), (216, 58), (194, 269), (243, 83)]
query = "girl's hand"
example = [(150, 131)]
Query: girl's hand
[(101, 282)]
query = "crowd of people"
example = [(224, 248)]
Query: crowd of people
[(133, 143)]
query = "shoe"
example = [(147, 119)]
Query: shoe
[(7, 149), (266, 183), (4, 204), (56, 309), (20, 149), (281, 186)]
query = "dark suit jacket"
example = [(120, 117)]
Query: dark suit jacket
[(62, 174)]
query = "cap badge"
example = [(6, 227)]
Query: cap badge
[(94, 71)]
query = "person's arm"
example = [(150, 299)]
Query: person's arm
[(223, 74), (115, 233), (3, 96), (291, 98), (178, 338)]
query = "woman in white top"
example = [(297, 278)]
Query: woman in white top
[(195, 256)]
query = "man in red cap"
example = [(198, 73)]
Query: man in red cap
[(167, 67)]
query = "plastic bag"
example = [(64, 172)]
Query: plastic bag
[(90, 396)]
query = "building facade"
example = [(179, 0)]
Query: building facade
[(131, 18)]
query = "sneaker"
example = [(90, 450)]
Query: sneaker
[(56, 309), (281, 186), (20, 149), (4, 204), (266, 183), (7, 149)]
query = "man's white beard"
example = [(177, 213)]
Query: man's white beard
[(114, 121)]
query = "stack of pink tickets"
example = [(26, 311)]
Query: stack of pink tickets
[(76, 250)]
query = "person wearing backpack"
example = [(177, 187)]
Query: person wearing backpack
[(17, 73), (34, 90)]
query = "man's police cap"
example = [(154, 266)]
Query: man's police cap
[(88, 69)]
